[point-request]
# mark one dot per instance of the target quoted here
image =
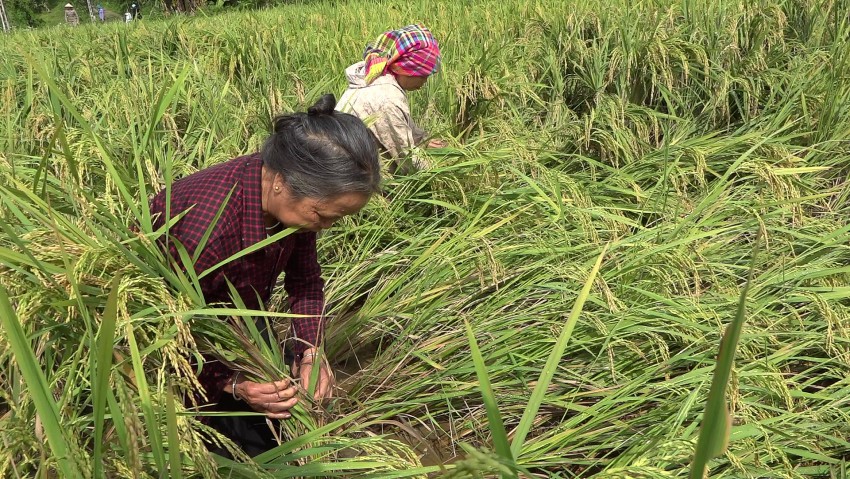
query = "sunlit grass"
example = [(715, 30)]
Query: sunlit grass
[(676, 133)]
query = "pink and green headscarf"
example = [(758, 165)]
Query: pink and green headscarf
[(410, 51)]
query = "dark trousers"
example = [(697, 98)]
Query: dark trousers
[(250, 433)]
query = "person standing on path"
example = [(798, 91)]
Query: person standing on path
[(71, 17), (135, 11)]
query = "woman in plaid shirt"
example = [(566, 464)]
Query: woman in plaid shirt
[(314, 169)]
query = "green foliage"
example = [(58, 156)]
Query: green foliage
[(23, 13), (716, 421), (676, 133)]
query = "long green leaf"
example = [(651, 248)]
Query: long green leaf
[(152, 419), (175, 461), (101, 369), (38, 387), (717, 423), (254, 247), (494, 417), (553, 361)]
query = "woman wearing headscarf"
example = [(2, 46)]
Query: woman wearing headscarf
[(398, 61)]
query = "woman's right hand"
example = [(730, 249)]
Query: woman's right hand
[(273, 399)]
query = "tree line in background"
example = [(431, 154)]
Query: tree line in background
[(30, 13), (4, 21), (20, 13)]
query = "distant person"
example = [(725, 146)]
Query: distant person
[(101, 13), (71, 17), (128, 17), (398, 61), (135, 11)]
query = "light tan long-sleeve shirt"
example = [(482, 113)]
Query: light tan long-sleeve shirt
[(71, 18), (384, 107)]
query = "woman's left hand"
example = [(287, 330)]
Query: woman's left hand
[(325, 381)]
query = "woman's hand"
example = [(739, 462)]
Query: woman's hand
[(437, 143), (304, 370), (273, 399)]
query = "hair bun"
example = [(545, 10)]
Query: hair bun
[(323, 106)]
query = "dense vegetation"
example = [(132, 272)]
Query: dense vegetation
[(686, 136)]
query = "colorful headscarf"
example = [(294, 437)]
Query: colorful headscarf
[(410, 51)]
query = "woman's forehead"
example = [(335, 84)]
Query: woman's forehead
[(341, 205)]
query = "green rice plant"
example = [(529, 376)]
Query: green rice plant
[(672, 131), (494, 418), (717, 421), (45, 404), (548, 371), (100, 382)]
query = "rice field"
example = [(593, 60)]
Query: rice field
[(547, 301)]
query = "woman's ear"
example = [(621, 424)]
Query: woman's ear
[(278, 185)]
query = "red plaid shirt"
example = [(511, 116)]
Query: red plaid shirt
[(241, 225)]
